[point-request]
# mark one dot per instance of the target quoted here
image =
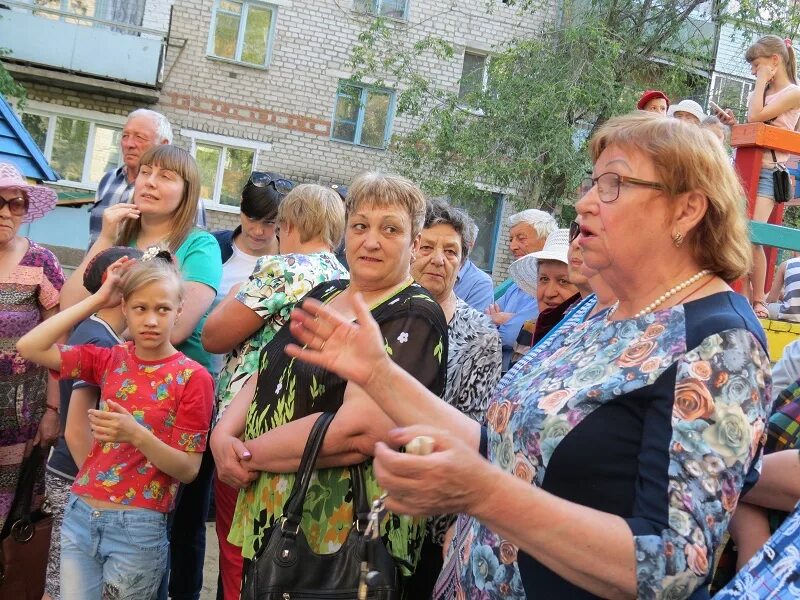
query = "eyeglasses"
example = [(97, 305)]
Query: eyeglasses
[(574, 231), (259, 179), (608, 185), (17, 206)]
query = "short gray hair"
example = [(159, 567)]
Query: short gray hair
[(439, 212), (543, 223), (163, 128)]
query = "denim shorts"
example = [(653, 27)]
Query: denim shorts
[(765, 185), (106, 553)]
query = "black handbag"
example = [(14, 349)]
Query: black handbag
[(781, 183), (26, 539), (285, 568)]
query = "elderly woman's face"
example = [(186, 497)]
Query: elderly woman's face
[(10, 214), (575, 266), (438, 260), (553, 286), (630, 232), (378, 246)]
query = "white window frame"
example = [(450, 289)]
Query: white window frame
[(747, 86), (240, 34), (362, 103), (224, 142), (51, 111), (376, 10)]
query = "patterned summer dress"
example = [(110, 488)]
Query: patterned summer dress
[(657, 419), (415, 334), (32, 287)]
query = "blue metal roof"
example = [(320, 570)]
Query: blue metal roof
[(18, 148)]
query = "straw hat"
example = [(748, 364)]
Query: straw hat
[(41, 200), (524, 271)]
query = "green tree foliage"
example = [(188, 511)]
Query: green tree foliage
[(525, 130)]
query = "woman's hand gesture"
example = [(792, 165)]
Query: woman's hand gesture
[(114, 216), (114, 425), (353, 350), (109, 293)]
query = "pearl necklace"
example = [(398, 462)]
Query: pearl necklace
[(665, 296)]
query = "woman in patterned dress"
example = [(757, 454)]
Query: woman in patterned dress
[(384, 216), (30, 281), (474, 358), (611, 464), (311, 222)]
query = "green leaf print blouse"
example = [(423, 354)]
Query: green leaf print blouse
[(415, 334)]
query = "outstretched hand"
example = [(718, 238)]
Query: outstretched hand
[(353, 350)]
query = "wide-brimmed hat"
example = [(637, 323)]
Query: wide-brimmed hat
[(687, 106), (41, 199), (651, 95), (525, 271)]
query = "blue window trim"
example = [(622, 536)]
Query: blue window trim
[(375, 10), (240, 33), (362, 103)]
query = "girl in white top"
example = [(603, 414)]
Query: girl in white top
[(776, 100)]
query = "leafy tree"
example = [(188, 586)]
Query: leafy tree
[(526, 129), (9, 87)]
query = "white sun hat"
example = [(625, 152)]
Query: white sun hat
[(525, 272), (687, 106)]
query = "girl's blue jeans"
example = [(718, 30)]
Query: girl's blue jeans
[(119, 554)]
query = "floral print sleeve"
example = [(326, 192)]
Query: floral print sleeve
[(718, 421)]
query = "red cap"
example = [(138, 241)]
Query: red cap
[(650, 95)]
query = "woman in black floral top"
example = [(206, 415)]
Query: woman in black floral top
[(384, 216)]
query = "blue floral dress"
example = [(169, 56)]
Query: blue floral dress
[(658, 420)]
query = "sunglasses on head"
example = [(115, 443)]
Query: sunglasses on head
[(16, 206), (574, 231), (259, 179)]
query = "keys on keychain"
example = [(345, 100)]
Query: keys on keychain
[(419, 446)]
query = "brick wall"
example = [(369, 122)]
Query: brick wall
[(289, 105), (502, 255)]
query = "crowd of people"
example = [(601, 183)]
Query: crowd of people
[(597, 422)]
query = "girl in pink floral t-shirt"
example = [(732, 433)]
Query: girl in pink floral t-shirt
[(149, 435)]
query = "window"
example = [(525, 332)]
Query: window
[(487, 214), (79, 149), (397, 9), (732, 93), (127, 12), (362, 115), (224, 171), (242, 32), (474, 74)]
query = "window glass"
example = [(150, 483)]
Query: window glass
[(256, 34), (485, 213), (207, 158), (238, 165), (69, 147), (105, 151), (242, 31), (227, 29), (472, 74), (373, 132), (393, 8), (37, 127), (347, 108)]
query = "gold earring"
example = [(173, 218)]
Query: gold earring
[(677, 239)]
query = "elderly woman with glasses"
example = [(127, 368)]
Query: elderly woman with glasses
[(610, 466), (30, 281)]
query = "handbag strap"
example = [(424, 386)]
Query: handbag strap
[(361, 507), (23, 495), (764, 103), (293, 509)]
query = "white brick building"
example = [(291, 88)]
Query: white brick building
[(249, 84)]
